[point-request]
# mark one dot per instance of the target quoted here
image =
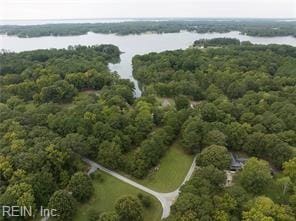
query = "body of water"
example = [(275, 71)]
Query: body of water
[(131, 45)]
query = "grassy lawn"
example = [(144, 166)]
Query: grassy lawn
[(171, 172), (106, 195)]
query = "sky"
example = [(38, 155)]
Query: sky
[(90, 9)]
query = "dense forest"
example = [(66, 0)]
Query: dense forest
[(217, 42), (252, 27), (243, 99), (60, 105)]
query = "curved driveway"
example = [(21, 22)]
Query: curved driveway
[(166, 199)]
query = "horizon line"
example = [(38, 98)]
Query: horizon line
[(145, 18)]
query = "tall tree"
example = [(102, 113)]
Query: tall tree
[(255, 175), (215, 155), (80, 186), (64, 204), (129, 209), (192, 135)]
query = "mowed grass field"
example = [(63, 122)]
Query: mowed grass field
[(171, 172), (108, 192)]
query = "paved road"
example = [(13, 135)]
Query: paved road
[(166, 199)]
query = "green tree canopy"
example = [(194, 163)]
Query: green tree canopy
[(255, 175), (129, 209), (80, 186), (215, 155), (64, 203)]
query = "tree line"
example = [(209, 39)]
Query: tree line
[(252, 27)]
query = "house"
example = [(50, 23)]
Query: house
[(237, 162)]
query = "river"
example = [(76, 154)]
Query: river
[(130, 44)]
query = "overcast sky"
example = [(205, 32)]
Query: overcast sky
[(73, 9)]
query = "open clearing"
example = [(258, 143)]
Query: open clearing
[(171, 172), (166, 178)]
